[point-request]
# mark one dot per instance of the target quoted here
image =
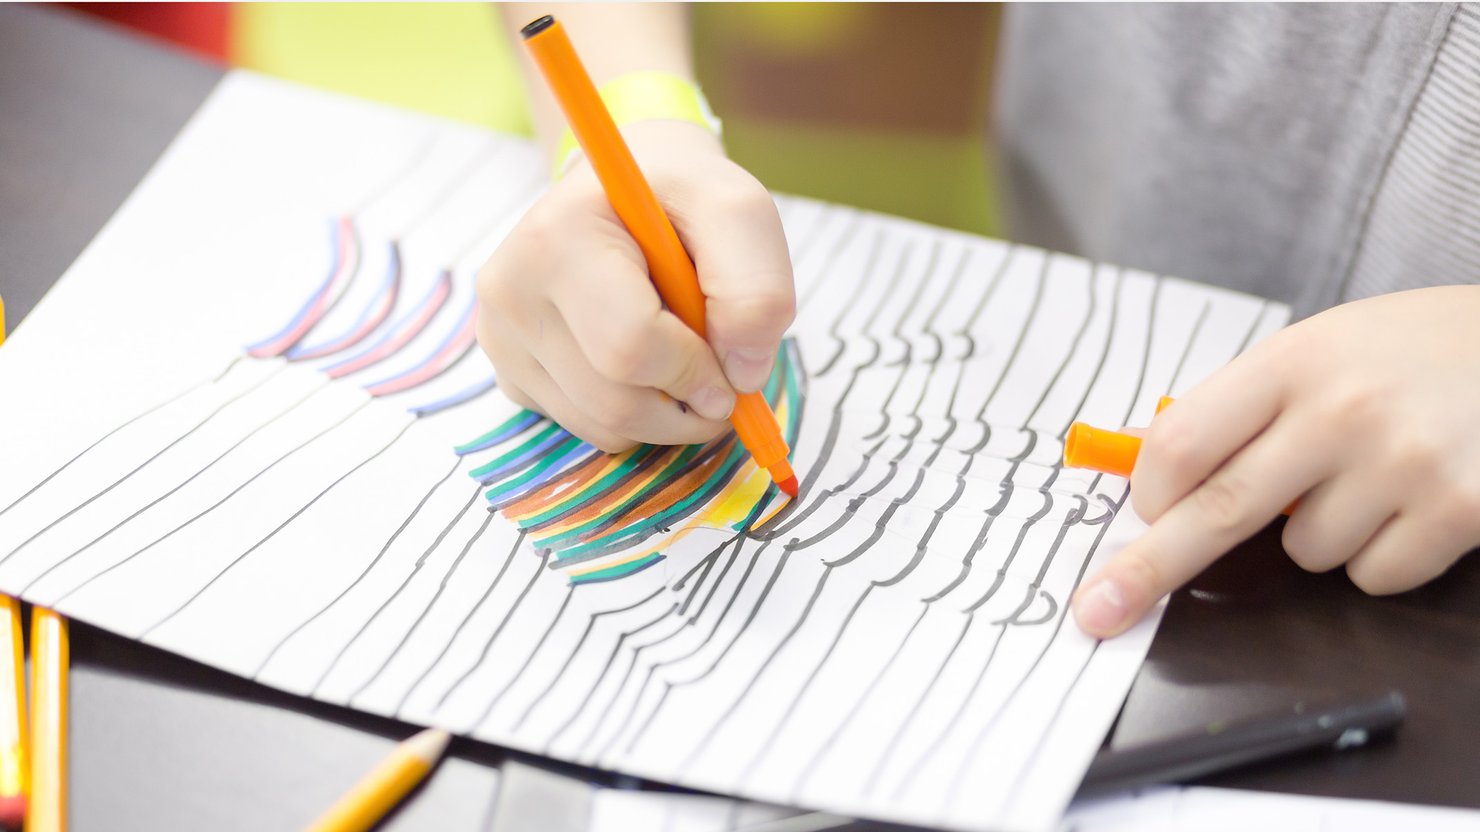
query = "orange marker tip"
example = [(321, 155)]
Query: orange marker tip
[(790, 486), (12, 811)]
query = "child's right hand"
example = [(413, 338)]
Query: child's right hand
[(576, 330)]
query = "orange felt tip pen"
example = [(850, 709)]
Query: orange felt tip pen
[(633, 199), (1109, 451)]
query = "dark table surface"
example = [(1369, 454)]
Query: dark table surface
[(162, 743)]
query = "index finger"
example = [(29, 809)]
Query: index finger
[(1240, 498), (1187, 442)]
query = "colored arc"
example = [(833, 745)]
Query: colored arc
[(341, 272), (599, 514)]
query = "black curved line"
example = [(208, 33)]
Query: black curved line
[(294, 516), (914, 768), (622, 685), (1017, 347), (544, 695), (755, 677), (1022, 680), (100, 440), (212, 507), (363, 572), (519, 674), (605, 668), (421, 616), (488, 645), (446, 530), (871, 263), (725, 651), (858, 703), (791, 707), (457, 633), (642, 689), (855, 222), (157, 454), (889, 749), (157, 500), (714, 587)]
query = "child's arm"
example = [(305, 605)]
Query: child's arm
[(1367, 413), (568, 316)]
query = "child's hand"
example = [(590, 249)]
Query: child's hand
[(576, 330), (1369, 413)]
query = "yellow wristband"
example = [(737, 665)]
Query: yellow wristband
[(644, 96)]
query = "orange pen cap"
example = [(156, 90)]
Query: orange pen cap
[(1106, 451)]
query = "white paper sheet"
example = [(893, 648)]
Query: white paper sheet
[(1175, 808), (894, 646), (1166, 809)]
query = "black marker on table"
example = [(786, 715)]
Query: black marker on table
[(1222, 746)]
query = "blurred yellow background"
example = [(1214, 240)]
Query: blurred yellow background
[(883, 106)]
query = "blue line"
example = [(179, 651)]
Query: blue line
[(313, 298), (456, 399), (393, 266), (545, 476), (518, 463)]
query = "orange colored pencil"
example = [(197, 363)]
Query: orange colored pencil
[(50, 654), (13, 721), (635, 203)]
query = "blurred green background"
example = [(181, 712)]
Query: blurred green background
[(878, 105)]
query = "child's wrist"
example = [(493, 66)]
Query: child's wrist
[(645, 95)]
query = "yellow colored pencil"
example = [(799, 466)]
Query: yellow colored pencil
[(13, 717), (50, 653), (370, 799)]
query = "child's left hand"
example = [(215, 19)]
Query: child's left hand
[(1368, 413)]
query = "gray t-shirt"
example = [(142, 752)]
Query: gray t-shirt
[(1308, 153)]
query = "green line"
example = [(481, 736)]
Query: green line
[(478, 472), (605, 482), (613, 572), (658, 482), (463, 448), (555, 455)]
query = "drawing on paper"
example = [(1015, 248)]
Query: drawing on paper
[(348, 509)]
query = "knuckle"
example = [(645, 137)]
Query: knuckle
[(541, 229), (1307, 548), (1147, 504), (1143, 578), (770, 306), (1375, 579), (608, 443), (519, 397), (690, 374), (1457, 509), (1356, 406), (1290, 347), (1421, 455), (740, 194), (1223, 503), (1174, 446), (622, 414), (495, 291), (624, 356)]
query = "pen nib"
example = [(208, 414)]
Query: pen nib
[(790, 486)]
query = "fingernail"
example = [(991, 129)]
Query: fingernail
[(712, 403), (748, 368), (1101, 608)]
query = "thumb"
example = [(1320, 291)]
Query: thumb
[(735, 237)]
